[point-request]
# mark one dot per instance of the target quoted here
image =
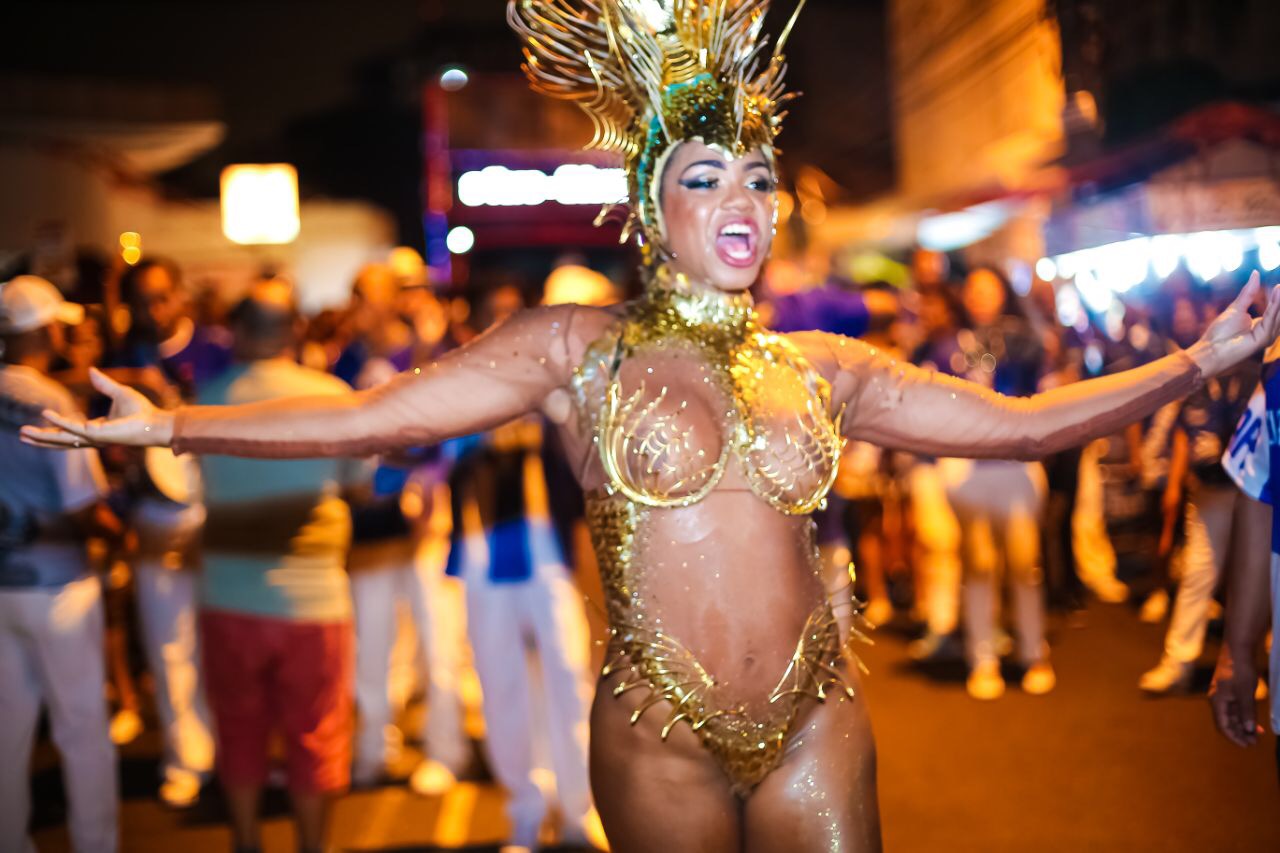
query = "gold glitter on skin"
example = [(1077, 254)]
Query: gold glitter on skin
[(746, 747)]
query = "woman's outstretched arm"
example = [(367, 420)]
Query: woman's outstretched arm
[(895, 404), (504, 373)]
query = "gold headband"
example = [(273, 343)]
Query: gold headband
[(654, 73)]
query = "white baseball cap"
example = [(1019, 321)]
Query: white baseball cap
[(28, 302)]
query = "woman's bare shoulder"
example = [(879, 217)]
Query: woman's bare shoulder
[(589, 324)]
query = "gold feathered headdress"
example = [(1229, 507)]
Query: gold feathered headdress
[(653, 73)]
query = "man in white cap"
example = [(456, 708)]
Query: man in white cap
[(51, 617)]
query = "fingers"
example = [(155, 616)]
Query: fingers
[(1224, 716), (1264, 330), (103, 383), (49, 437), (1271, 315), (1249, 292), (1234, 713), (75, 426)]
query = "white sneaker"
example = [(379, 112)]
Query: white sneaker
[(180, 792), (432, 779), (985, 682), (1155, 608), (1168, 676), (125, 727), (1039, 679)]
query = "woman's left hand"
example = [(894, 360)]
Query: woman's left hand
[(1234, 335)]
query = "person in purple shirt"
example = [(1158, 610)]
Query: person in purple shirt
[(163, 333), (834, 306)]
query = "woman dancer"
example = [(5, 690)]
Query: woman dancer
[(727, 718)]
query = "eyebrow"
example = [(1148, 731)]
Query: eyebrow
[(719, 164)]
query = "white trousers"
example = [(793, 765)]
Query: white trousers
[(51, 653), (544, 613), (165, 589), (167, 614), (1213, 512), (1095, 556), (938, 549), (434, 604), (998, 505)]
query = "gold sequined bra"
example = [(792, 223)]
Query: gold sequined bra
[(774, 425)]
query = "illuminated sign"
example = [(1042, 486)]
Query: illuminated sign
[(498, 186)]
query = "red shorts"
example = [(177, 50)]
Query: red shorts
[(266, 676)]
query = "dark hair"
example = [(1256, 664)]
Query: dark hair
[(262, 319), (132, 278), (1012, 302), (951, 299)]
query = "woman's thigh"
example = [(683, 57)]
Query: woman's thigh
[(652, 794), (822, 796)]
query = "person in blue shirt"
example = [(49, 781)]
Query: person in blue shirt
[(1253, 597)]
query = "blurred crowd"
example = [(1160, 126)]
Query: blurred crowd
[(274, 619)]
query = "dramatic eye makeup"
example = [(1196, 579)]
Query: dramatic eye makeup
[(759, 176)]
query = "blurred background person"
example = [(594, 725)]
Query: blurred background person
[(524, 615), (1217, 515), (275, 606), (872, 513), (51, 613), (388, 569), (999, 503), (169, 357), (1252, 463), (1063, 361), (162, 330), (936, 531)]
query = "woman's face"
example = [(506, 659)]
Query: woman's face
[(159, 301), (718, 214), (1186, 323), (983, 297)]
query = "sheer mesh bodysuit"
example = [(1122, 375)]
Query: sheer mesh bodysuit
[(687, 396)]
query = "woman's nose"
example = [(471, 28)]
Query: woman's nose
[(739, 198)]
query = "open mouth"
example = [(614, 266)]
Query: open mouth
[(736, 244)]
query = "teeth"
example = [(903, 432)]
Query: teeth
[(736, 228)]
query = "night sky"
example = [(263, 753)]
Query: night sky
[(333, 85)]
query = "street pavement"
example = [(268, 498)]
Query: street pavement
[(1093, 766)]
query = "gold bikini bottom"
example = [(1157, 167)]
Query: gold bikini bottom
[(746, 746)]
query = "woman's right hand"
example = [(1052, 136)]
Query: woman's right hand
[(1234, 336), (132, 421)]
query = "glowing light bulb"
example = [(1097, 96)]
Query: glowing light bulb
[(460, 240)]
